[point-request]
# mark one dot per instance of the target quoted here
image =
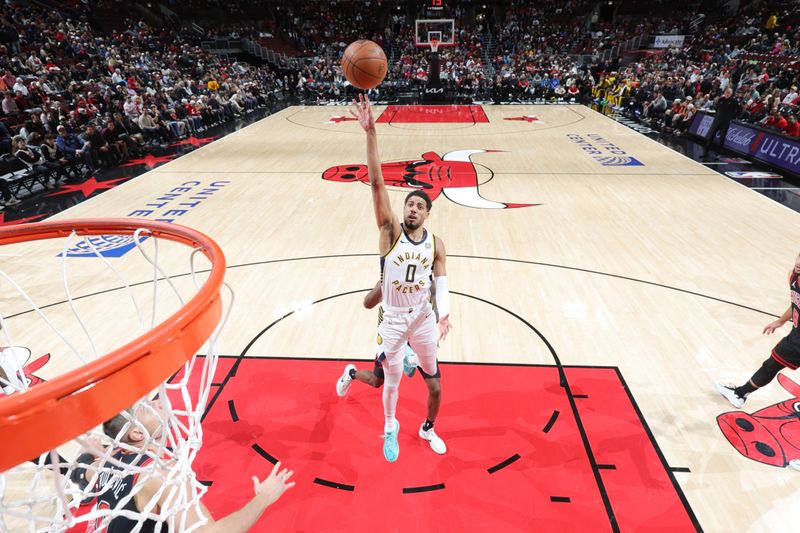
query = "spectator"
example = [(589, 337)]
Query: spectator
[(10, 107), (167, 116), (792, 126), (97, 145), (656, 107), (129, 131), (112, 137), (775, 120), (151, 129), (8, 79), (52, 154), (19, 87), (74, 149), (791, 96), (684, 120), (34, 160)]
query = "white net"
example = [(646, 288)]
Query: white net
[(133, 473)]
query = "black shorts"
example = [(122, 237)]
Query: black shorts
[(787, 352), (378, 370), (438, 373)]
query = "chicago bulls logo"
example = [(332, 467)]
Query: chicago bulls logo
[(336, 119), (452, 175), (526, 118), (771, 435), (15, 371)]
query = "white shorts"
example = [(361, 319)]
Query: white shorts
[(414, 325)]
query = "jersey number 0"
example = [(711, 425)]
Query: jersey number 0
[(411, 271)]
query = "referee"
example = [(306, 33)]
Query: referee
[(727, 109)]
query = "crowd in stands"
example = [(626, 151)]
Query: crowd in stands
[(756, 55), (75, 98)]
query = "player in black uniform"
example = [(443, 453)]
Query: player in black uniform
[(116, 489), (786, 353)]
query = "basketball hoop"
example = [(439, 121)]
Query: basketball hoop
[(434, 44), (35, 421)]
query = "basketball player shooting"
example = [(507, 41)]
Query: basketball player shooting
[(412, 261), (374, 377)]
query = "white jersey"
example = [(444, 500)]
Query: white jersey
[(407, 271)]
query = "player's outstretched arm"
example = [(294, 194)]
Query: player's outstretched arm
[(384, 216), (442, 293), (772, 326), (267, 492)]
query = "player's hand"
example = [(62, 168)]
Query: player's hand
[(363, 112), (772, 326), (274, 486), (444, 327)]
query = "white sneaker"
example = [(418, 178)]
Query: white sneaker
[(794, 464), (437, 444), (344, 382), (728, 392)]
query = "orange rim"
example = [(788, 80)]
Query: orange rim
[(51, 413)]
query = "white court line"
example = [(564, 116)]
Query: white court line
[(714, 172)]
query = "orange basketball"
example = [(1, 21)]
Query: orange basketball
[(364, 64)]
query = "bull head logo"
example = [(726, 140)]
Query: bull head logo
[(16, 371), (452, 175), (771, 435)]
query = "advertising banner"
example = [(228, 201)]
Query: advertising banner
[(745, 139), (666, 41)]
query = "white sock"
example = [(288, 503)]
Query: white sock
[(391, 383)]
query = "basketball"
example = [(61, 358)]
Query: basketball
[(364, 64)]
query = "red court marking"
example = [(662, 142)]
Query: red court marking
[(617, 437), (289, 408), (469, 114)]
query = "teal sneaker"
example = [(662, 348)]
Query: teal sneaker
[(409, 368), (391, 449)]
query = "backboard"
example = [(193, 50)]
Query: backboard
[(442, 30)]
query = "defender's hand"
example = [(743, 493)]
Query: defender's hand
[(772, 326), (274, 486)]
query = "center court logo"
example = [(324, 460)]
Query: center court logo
[(452, 175), (105, 245), (604, 152)]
